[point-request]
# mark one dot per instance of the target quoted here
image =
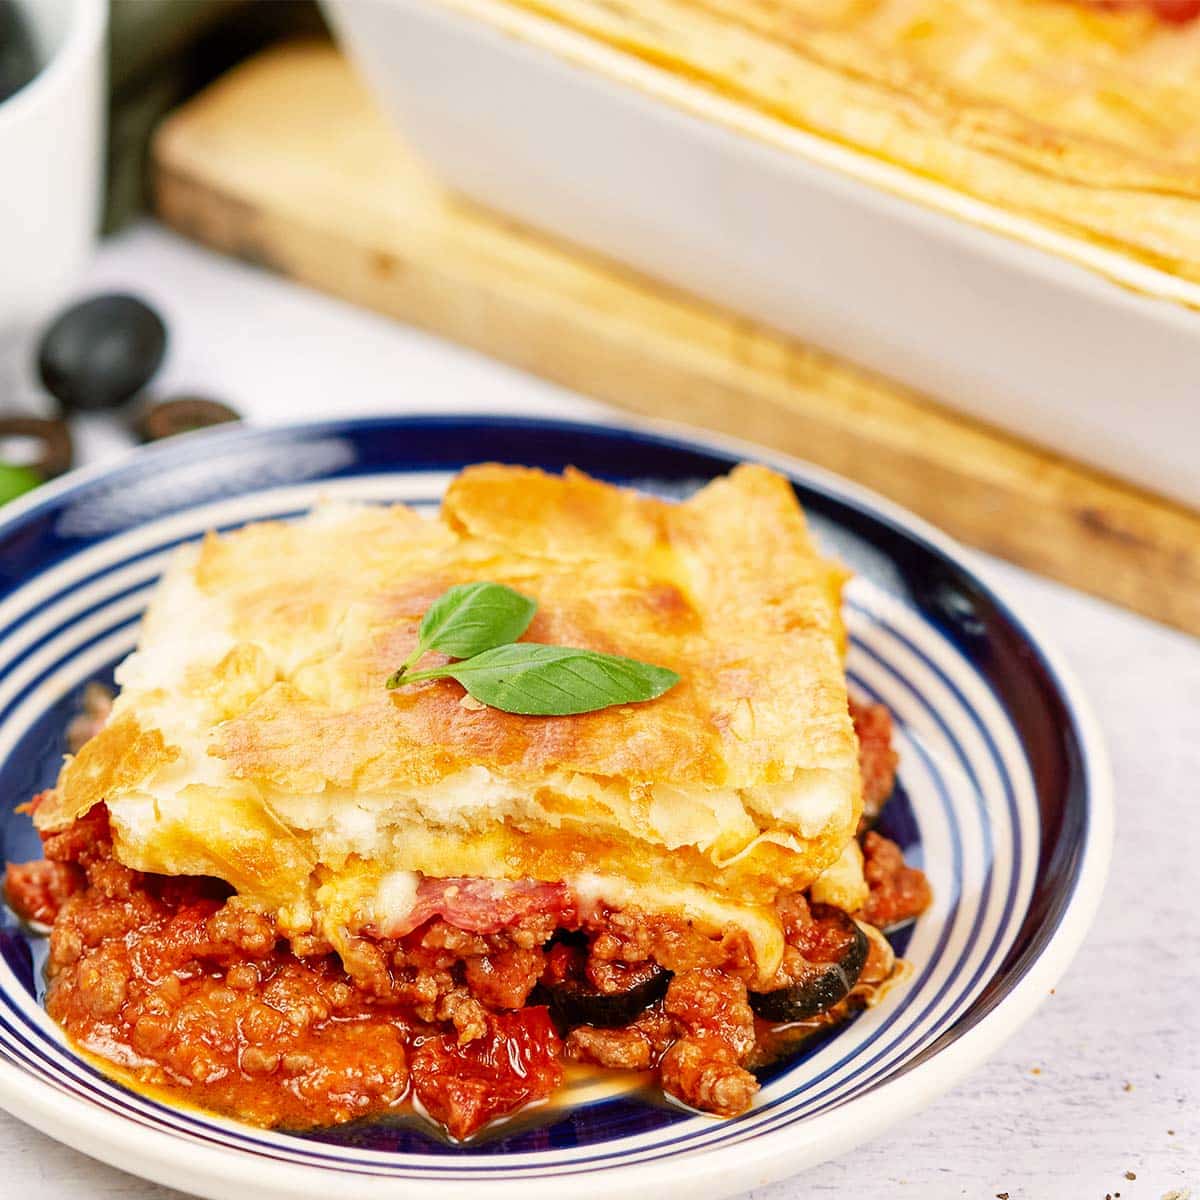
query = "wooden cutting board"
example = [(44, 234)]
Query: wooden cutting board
[(287, 162)]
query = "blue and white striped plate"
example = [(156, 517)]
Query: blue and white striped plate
[(1004, 800)]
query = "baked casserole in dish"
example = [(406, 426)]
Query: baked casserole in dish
[(1082, 114), (995, 203)]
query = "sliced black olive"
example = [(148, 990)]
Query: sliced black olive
[(18, 59), (43, 446), (834, 951), (100, 352), (182, 414), (573, 1002)]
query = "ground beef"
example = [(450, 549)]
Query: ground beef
[(877, 759), (37, 890), (203, 998), (367, 963), (699, 1038), (636, 1047), (465, 1013), (504, 978), (704, 1072), (564, 960), (83, 843), (617, 1049), (709, 1004), (612, 978), (898, 892), (794, 914), (632, 936), (424, 966)]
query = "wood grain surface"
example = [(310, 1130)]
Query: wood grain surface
[(287, 163)]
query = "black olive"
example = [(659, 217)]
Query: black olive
[(18, 59), (99, 353), (574, 1003), (835, 952), (45, 446), (181, 414)]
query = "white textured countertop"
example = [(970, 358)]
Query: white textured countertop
[(1099, 1094)]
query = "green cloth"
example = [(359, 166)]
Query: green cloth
[(162, 52)]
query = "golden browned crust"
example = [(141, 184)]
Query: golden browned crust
[(253, 738), (726, 590), (124, 757), (1081, 116)]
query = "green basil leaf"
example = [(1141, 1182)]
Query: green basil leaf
[(554, 681), (468, 619), (474, 617), (16, 481)]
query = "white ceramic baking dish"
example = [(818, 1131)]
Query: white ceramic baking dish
[(52, 160), (1069, 344)]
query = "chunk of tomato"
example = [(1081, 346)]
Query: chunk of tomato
[(466, 1086)]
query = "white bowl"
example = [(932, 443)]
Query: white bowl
[(989, 312), (51, 152)]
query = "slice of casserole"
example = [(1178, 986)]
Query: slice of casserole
[(253, 739)]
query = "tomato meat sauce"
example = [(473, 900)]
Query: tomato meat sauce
[(464, 1012), (174, 981)]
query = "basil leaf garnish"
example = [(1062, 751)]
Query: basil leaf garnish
[(553, 681), (468, 619), (480, 622)]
